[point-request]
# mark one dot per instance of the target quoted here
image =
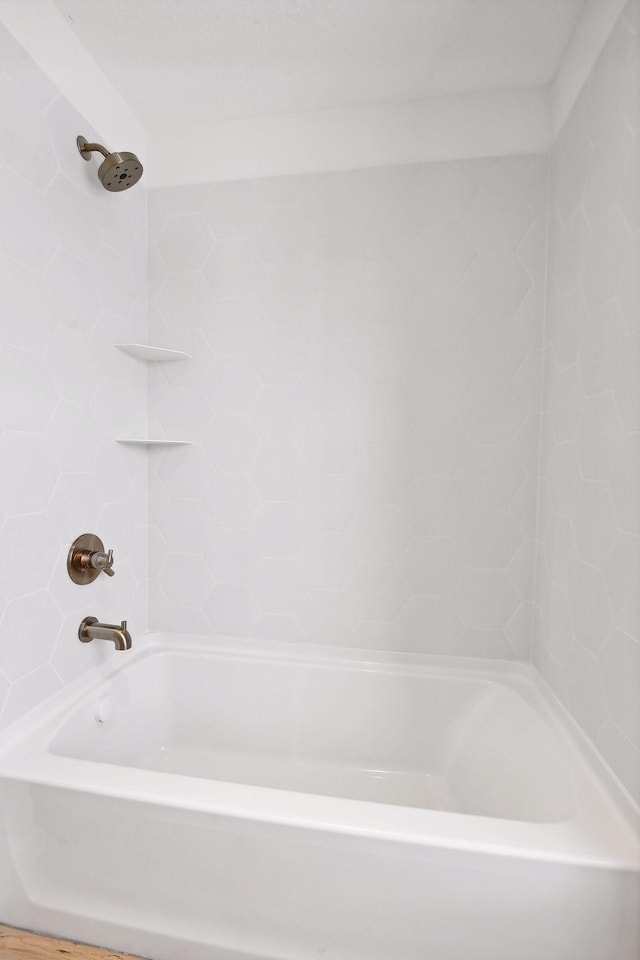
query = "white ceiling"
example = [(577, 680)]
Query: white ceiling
[(181, 62)]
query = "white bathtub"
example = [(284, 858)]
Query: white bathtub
[(235, 802)]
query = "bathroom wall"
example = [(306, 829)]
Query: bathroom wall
[(588, 630), (362, 403), (72, 283)]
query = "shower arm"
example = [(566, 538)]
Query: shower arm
[(86, 149)]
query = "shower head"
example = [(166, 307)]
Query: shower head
[(118, 171)]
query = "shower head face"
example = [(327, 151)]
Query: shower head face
[(119, 171)]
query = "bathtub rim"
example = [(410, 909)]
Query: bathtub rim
[(574, 840)]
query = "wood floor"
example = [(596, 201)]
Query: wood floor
[(20, 945)]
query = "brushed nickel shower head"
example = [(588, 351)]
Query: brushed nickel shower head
[(118, 171)]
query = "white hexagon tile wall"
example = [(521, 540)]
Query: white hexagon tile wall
[(363, 403), (588, 631), (72, 283)]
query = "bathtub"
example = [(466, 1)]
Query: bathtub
[(201, 800)]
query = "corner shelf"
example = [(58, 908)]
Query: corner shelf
[(151, 354), (142, 442)]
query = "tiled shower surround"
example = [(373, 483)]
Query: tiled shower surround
[(362, 405), (72, 283), (588, 585)]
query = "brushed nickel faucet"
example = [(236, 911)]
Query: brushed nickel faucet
[(90, 630)]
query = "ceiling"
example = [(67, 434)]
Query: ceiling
[(182, 62)]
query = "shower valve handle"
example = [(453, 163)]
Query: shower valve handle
[(87, 559), (103, 562)]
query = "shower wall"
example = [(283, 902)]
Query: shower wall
[(362, 402), (588, 630), (72, 283)]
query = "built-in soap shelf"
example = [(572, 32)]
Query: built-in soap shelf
[(143, 442), (151, 354)]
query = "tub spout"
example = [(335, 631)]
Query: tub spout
[(90, 630)]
